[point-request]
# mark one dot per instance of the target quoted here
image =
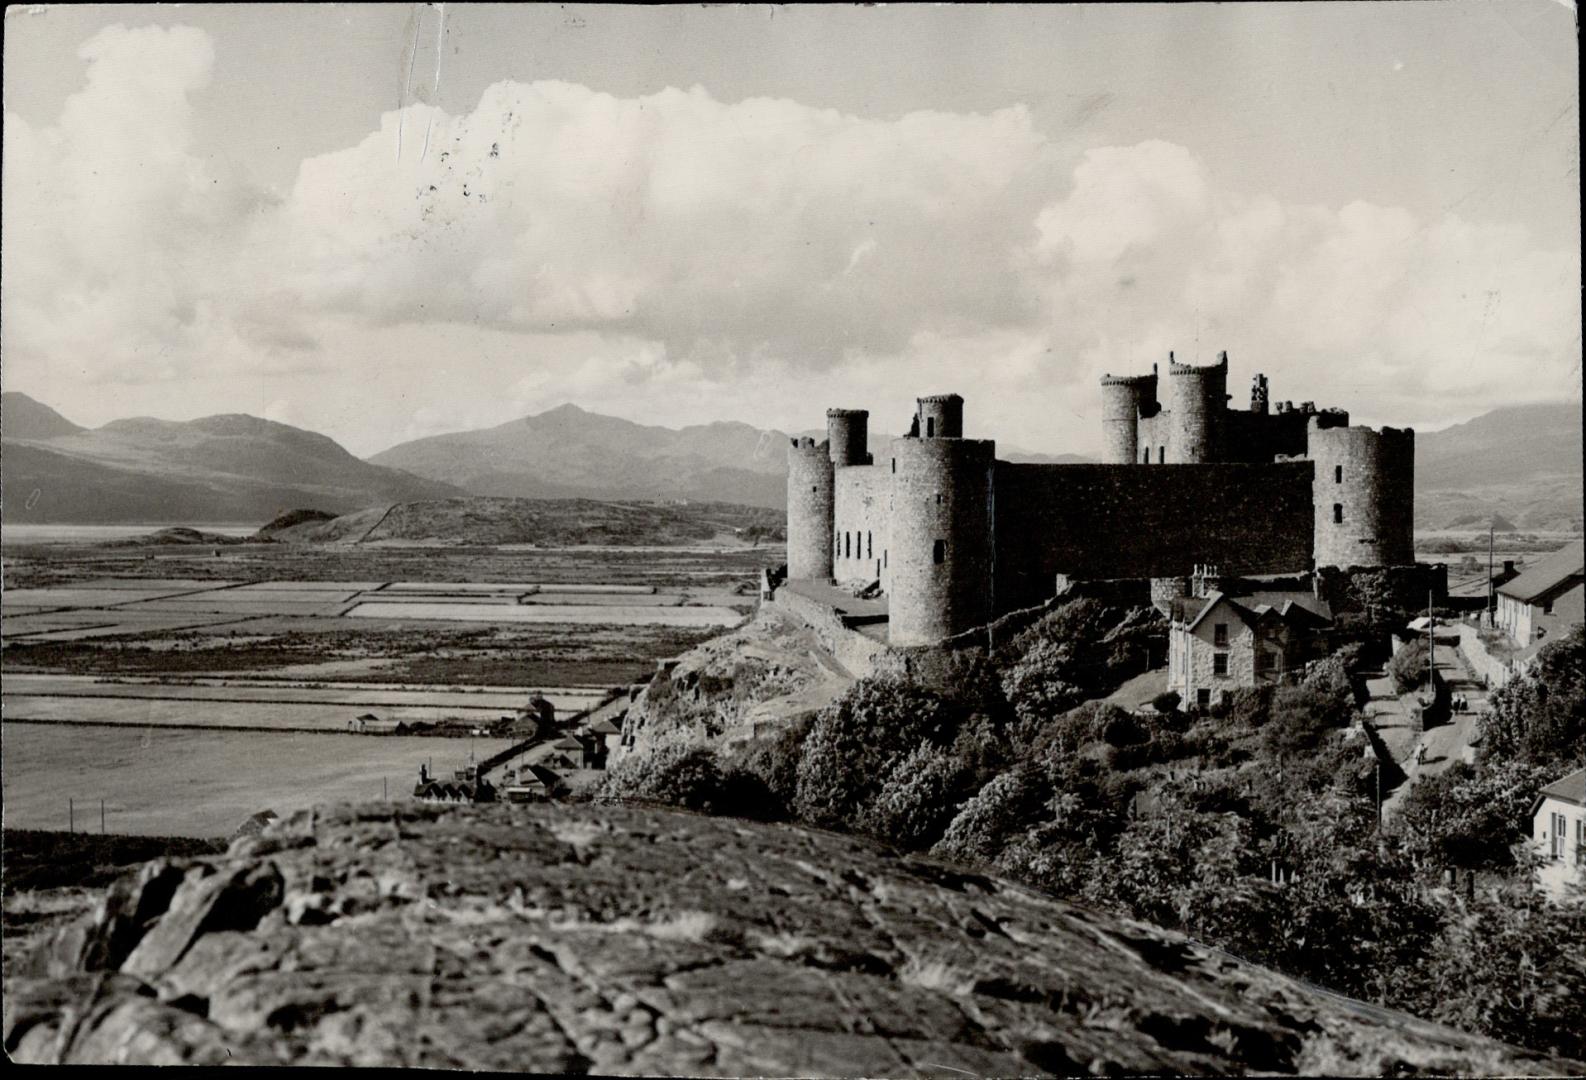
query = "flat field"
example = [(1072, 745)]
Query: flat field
[(189, 689), (163, 782)]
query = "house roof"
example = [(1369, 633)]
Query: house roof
[(1550, 572), (368, 716), (567, 742), (1290, 606), (1571, 789), (605, 727)]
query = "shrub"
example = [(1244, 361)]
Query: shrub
[(1167, 702), (855, 740), (917, 799), (1408, 667), (1540, 717), (1002, 808)]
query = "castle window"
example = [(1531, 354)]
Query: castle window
[(1338, 474), (883, 558), (1338, 513), (870, 547), (938, 498), (894, 464), (814, 489), (848, 545), (1145, 456), (939, 552), (1220, 664), (1220, 633), (1161, 455), (930, 426)]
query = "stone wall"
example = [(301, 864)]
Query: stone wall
[(1100, 521), (860, 524), (856, 652)]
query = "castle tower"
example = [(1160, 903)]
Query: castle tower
[(942, 540), (1363, 494), (809, 511), (847, 433), (940, 416), (1124, 398), (1198, 401)]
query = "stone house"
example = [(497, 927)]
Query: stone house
[(1218, 643), (1545, 598), (1558, 828)]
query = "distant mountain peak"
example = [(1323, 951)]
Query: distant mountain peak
[(23, 417)]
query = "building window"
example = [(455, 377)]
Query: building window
[(1220, 633), (1338, 513), (870, 546), (1161, 455), (1265, 661), (1220, 664), (1580, 841), (1338, 474), (1558, 837), (939, 552), (1203, 698)]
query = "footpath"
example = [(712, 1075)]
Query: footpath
[(1444, 743)]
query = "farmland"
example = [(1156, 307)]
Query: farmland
[(189, 688)]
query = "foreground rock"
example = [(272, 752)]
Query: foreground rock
[(631, 940)]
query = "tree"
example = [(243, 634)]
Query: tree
[(1469, 818), (1540, 717), (854, 742), (917, 800)]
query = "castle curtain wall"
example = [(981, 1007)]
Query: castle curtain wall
[(1099, 521), (860, 535)]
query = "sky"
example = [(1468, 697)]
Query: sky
[(384, 222)]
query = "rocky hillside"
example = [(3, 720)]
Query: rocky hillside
[(625, 940), (232, 468), (571, 453)]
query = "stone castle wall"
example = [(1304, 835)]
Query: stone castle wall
[(1102, 521), (861, 525)]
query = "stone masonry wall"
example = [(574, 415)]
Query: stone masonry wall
[(1099, 521)]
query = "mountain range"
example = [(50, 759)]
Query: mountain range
[(230, 468), (1521, 463)]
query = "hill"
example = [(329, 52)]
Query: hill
[(570, 453), (545, 522), (23, 418), (627, 940), (1521, 463), (217, 469)]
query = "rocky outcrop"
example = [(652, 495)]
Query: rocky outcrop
[(631, 940)]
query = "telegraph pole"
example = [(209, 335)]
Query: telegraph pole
[(1492, 590)]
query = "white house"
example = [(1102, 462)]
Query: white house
[(1548, 596), (1558, 826)]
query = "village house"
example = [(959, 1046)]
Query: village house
[(1218, 643), (370, 724), (1547, 597), (610, 735), (573, 752), (529, 783), (1558, 828)]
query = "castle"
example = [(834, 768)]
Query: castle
[(954, 537)]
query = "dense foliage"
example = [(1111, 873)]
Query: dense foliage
[(1252, 827)]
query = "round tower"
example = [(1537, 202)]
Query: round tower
[(1363, 494), (940, 416), (1198, 402), (809, 511), (1123, 399), (941, 540), (847, 433)]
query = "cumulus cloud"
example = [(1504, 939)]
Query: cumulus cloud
[(680, 258)]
